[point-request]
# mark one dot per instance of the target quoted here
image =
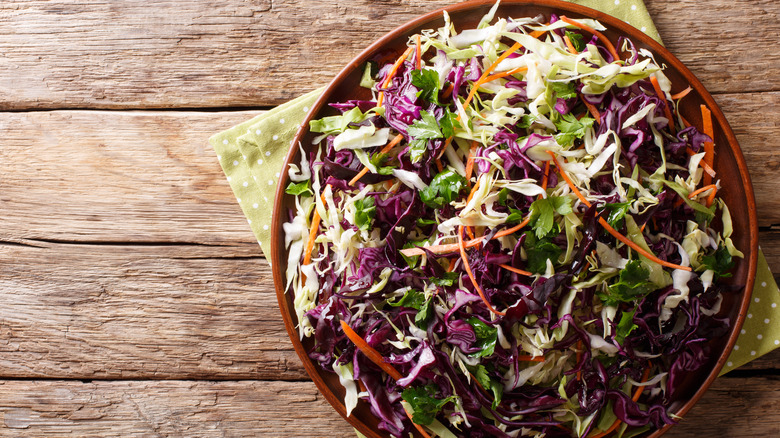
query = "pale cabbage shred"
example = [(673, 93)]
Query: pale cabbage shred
[(545, 58)]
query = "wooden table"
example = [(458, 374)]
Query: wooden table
[(135, 300)]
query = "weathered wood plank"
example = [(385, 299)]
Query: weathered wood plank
[(117, 177), (167, 408), (151, 176), (733, 407), (159, 312), (167, 54)]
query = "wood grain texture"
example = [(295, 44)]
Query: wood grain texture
[(166, 409), (122, 312), (733, 407), (169, 54)]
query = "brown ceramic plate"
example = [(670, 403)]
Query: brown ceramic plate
[(737, 191)]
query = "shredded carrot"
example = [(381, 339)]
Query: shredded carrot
[(516, 228), (515, 270), (419, 54), (682, 93), (377, 358), (593, 111), (473, 190), (545, 178), (703, 165), (608, 227), (598, 34), (515, 47), (397, 139), (439, 166), (537, 33), (466, 265), (470, 161), (662, 96), (315, 226), (503, 74), (579, 357), (369, 352), (451, 247), (569, 45), (638, 393), (447, 91), (529, 358), (392, 73), (702, 190), (451, 267), (417, 426), (709, 146)]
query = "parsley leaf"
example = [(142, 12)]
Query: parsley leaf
[(448, 279), (480, 373), (632, 284), (443, 189), (539, 251), (379, 160), (487, 336), (625, 326), (364, 212), (570, 128), (299, 189), (577, 40), (425, 128), (424, 404), (427, 81), (543, 213), (449, 123), (413, 299), (719, 261), (526, 121), (424, 315), (563, 90), (616, 213), (515, 215)]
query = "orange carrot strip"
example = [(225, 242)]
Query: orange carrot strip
[(452, 265), (473, 190), (638, 392), (609, 228), (545, 177), (703, 165), (451, 247), (592, 110), (503, 74), (515, 47), (417, 426), (508, 231), (702, 190), (392, 73), (397, 139), (369, 352), (711, 198), (682, 93), (466, 265), (709, 146), (315, 226), (569, 45), (447, 91), (537, 33), (470, 161), (662, 96), (598, 34), (515, 270), (418, 54), (529, 358)]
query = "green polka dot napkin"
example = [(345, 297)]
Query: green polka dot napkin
[(252, 155)]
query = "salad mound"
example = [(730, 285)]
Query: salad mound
[(517, 235)]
